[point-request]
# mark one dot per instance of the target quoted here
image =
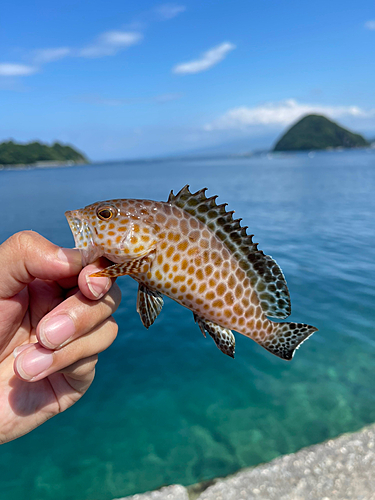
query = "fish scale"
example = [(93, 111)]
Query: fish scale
[(190, 249)]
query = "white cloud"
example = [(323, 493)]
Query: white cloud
[(280, 114), (170, 10), (370, 25), (208, 59), (10, 69), (43, 56), (110, 43)]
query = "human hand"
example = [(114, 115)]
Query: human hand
[(56, 320)]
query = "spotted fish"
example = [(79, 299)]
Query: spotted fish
[(192, 250)]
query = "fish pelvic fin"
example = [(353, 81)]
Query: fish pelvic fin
[(286, 338), (223, 338), (149, 304), (265, 275)]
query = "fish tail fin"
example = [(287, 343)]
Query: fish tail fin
[(286, 338)]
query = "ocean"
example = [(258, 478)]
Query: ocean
[(166, 405)]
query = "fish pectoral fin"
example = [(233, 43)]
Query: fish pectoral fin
[(223, 338), (136, 266), (149, 305)]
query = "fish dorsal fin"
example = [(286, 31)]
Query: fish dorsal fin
[(265, 275)]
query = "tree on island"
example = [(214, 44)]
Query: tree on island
[(314, 132), (12, 153)]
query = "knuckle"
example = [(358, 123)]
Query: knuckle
[(81, 368), (23, 240)]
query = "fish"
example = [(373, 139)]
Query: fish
[(192, 250)]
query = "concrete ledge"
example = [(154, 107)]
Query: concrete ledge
[(175, 492), (339, 469)]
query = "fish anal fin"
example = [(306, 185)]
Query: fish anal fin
[(265, 275), (136, 266), (149, 305), (223, 338), (286, 338)]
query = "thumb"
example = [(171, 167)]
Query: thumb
[(27, 255)]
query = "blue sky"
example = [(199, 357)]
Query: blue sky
[(126, 79)]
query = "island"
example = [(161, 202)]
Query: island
[(315, 132), (12, 153)]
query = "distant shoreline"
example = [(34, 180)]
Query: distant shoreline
[(229, 156), (42, 164)]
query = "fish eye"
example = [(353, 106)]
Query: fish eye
[(105, 213)]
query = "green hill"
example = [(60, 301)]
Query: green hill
[(12, 153), (317, 132)]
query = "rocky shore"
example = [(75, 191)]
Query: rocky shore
[(339, 469)]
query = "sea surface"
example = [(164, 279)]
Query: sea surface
[(166, 405)]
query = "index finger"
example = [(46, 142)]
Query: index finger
[(27, 255)]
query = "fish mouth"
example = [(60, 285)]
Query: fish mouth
[(83, 238)]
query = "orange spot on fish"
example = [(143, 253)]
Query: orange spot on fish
[(184, 264), (229, 300), (160, 218), (208, 270), (238, 309), (182, 246), (178, 278), (199, 274), (217, 303), (193, 251)]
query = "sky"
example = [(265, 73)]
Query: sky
[(132, 79)]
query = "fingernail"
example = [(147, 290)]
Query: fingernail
[(56, 330), (34, 362), (97, 286), (19, 349), (70, 255)]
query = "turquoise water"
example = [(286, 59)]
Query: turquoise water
[(166, 405)]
